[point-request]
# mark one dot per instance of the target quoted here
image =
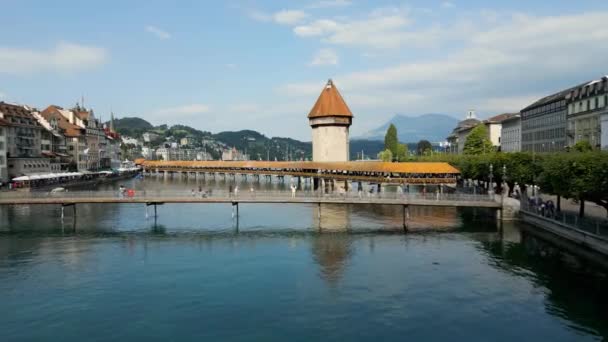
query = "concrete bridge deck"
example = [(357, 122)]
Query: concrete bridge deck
[(247, 197)]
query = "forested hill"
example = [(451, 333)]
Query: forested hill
[(256, 144)]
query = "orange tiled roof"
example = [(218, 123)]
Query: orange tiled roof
[(70, 130), (371, 166), (330, 103)]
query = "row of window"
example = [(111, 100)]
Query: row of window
[(590, 104), (36, 165), (544, 121), (548, 108), (587, 90), (548, 134)]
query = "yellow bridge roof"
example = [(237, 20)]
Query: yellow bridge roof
[(353, 166)]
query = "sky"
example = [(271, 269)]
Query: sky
[(261, 64)]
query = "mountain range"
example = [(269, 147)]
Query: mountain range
[(411, 129)]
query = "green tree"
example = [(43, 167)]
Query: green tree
[(391, 142), (402, 152), (477, 141), (386, 155), (582, 146), (424, 147)]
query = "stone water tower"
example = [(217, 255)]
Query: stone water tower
[(330, 119)]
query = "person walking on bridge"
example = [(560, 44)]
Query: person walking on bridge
[(230, 190), (293, 191)]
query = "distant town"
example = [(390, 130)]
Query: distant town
[(60, 140)]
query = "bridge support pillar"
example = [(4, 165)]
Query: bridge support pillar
[(235, 211), (319, 214), (406, 216)]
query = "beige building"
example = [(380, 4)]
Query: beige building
[(330, 119), (587, 104)]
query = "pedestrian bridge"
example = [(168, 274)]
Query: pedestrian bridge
[(249, 197), (155, 198)]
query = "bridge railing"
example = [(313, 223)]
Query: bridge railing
[(155, 195)]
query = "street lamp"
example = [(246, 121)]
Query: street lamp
[(490, 189)]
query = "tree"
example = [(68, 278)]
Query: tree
[(391, 142), (386, 155), (402, 152), (477, 141), (582, 146), (424, 147)]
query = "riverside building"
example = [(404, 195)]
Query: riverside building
[(587, 108), (543, 124)]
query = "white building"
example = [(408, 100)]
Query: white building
[(130, 141), (234, 154), (330, 119), (587, 105), (604, 128), (150, 136), (511, 134)]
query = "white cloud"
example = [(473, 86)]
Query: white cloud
[(283, 17), (447, 4), (289, 17), (496, 69), (325, 57), (64, 57), (330, 4), (259, 15), (159, 33), (230, 65), (185, 110), (383, 28)]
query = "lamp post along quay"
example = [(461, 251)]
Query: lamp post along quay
[(491, 186)]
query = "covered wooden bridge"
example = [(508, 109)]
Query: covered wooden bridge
[(362, 171)]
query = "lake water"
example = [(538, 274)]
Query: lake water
[(280, 274)]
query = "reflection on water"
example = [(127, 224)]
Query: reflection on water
[(192, 275)]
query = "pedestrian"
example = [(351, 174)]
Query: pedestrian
[(230, 190), (200, 191), (293, 191), (252, 191), (236, 191), (437, 193), (193, 193), (121, 191)]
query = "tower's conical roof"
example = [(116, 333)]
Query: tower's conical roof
[(330, 103)]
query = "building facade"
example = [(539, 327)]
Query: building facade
[(604, 128), (544, 123), (23, 141), (3, 164), (330, 119), (511, 134), (587, 105), (74, 135)]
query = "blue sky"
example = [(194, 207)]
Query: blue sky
[(230, 65)]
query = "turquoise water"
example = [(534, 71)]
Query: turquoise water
[(194, 275)]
